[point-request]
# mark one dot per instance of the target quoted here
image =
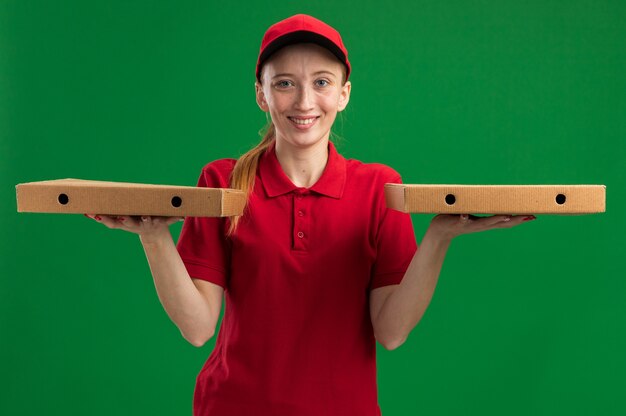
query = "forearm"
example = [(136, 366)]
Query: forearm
[(405, 306), (180, 298)]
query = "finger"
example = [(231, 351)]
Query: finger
[(127, 222), (108, 220), (163, 221), (464, 218), (172, 220), (516, 220), (496, 219), (519, 219), (493, 221)]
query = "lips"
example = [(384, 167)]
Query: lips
[(303, 121)]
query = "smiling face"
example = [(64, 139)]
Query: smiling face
[(302, 90)]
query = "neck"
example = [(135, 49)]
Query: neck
[(304, 166)]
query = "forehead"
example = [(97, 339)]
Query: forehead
[(302, 58)]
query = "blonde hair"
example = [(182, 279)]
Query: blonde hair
[(244, 173)]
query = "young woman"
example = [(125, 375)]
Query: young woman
[(316, 270)]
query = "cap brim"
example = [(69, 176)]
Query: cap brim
[(301, 36)]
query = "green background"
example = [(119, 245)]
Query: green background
[(530, 320)]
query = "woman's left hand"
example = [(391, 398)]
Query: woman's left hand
[(448, 226)]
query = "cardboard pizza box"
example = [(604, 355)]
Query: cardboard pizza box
[(77, 196), (496, 199)]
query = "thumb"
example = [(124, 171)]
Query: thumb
[(172, 220)]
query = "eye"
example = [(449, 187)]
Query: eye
[(283, 83), (322, 82)]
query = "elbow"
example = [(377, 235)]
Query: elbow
[(390, 338), (391, 343), (199, 340)]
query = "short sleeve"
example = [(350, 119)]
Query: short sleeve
[(202, 244), (395, 244)]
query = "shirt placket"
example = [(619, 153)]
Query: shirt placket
[(301, 219)]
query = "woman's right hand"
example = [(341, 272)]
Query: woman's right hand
[(149, 228)]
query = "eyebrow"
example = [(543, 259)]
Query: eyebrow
[(315, 73)]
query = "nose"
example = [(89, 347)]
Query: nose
[(304, 99)]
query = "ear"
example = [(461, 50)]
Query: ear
[(344, 96), (260, 97)]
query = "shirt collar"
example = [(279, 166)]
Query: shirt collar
[(275, 181)]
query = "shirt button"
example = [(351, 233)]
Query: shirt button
[(300, 234), (300, 213)]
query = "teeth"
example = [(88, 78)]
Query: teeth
[(307, 121)]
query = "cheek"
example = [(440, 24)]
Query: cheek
[(329, 103), (279, 102)]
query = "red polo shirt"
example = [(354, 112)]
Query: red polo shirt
[(296, 338)]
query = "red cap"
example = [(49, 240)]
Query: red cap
[(301, 28)]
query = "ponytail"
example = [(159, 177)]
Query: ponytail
[(244, 172)]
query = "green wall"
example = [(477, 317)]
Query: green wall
[(524, 321)]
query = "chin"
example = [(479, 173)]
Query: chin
[(305, 142)]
